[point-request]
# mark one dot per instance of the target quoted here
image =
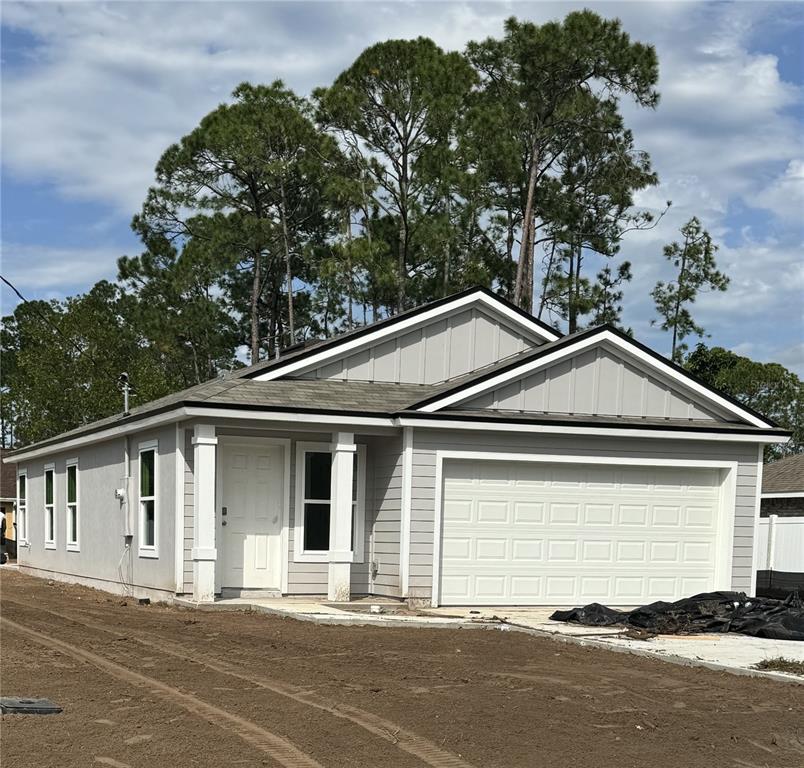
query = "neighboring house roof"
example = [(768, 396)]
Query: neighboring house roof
[(8, 479), (784, 477)]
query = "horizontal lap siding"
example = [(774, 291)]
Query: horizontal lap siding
[(386, 513), (427, 442)]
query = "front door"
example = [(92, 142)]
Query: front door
[(250, 515)]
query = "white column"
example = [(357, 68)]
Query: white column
[(340, 517), (204, 552)]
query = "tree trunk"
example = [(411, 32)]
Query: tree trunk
[(288, 269), (547, 276), (677, 310), (350, 279), (523, 292), (509, 240), (255, 314), (445, 290)]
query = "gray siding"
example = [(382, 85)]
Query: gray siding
[(386, 513), (189, 463), (101, 515), (427, 442), (451, 346), (596, 382)]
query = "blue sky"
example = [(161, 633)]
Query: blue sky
[(92, 93)]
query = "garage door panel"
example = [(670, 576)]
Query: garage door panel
[(536, 535)]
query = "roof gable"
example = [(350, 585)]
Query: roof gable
[(628, 374), (395, 342)]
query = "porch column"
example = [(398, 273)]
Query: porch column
[(204, 552), (340, 516)]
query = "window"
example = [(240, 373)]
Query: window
[(72, 505), (50, 513), (22, 507), (148, 511), (313, 497)]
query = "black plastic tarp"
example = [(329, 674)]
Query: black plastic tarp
[(707, 612)]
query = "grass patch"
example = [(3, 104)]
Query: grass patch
[(781, 664)]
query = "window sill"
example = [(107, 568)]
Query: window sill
[(50, 545), (323, 557), (151, 554), (73, 548)]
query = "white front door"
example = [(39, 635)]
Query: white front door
[(250, 515), (532, 533)]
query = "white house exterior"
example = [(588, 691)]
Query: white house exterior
[(461, 453)]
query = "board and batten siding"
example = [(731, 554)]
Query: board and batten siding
[(598, 382), (451, 346), (427, 442), (102, 560)]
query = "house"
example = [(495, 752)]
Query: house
[(8, 500), (780, 537), (459, 453)]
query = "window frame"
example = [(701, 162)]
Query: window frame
[(143, 549), (300, 555), (49, 509), (72, 546), (21, 511)]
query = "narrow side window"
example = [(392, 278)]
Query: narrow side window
[(22, 507), (147, 504), (50, 510), (72, 507)]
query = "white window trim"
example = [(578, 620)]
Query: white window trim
[(49, 508), (359, 519), (22, 510), (143, 550), (72, 546)]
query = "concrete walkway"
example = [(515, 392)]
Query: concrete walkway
[(726, 652)]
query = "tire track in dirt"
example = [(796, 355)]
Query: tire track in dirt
[(276, 747), (423, 749)]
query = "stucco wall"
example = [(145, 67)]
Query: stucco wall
[(103, 556)]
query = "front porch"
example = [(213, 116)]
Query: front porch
[(271, 513)]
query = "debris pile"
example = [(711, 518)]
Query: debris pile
[(704, 613)]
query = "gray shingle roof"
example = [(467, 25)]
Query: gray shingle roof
[(784, 476)]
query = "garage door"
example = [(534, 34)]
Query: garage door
[(533, 533)]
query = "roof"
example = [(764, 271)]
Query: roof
[(386, 399), (301, 351), (784, 476), (8, 479)]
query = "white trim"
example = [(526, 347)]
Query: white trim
[(757, 507), (310, 417), (72, 546), (608, 337), (783, 495), (419, 318), (284, 542), (178, 511), (21, 510), (359, 518), (624, 431), (98, 437), (148, 550), (51, 467), (407, 490), (725, 529)]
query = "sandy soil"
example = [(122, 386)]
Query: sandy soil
[(154, 685)]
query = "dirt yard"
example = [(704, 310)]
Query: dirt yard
[(158, 686)]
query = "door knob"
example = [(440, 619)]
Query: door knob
[(223, 522)]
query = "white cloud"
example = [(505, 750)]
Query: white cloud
[(109, 86)]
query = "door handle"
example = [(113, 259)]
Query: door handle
[(224, 511)]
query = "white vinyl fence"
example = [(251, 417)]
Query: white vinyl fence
[(780, 544)]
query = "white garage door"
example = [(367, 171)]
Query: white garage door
[(532, 533)]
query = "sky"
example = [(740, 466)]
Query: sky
[(93, 93)]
